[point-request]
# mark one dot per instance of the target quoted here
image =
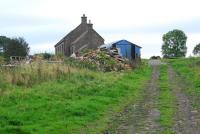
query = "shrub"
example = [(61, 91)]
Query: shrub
[(47, 56), (2, 60), (80, 64)]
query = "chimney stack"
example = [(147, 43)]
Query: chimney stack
[(90, 25), (84, 19)]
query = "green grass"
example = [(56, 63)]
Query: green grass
[(189, 69), (81, 102), (166, 102)]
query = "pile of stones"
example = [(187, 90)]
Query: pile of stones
[(106, 59)]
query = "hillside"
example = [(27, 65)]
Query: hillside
[(59, 99), (53, 98)]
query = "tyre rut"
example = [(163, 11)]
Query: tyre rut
[(187, 118), (141, 118)]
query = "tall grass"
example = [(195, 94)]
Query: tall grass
[(28, 75)]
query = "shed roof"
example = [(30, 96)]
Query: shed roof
[(118, 42)]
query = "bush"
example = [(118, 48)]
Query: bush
[(155, 57), (80, 64), (2, 60), (43, 56), (47, 56)]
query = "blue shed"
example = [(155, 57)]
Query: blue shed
[(125, 48)]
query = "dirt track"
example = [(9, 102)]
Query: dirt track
[(142, 117), (187, 118)]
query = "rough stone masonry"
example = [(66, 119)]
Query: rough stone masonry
[(82, 37)]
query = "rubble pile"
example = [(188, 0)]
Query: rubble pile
[(106, 59)]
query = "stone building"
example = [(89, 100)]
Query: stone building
[(82, 37)]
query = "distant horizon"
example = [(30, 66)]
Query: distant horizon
[(141, 22)]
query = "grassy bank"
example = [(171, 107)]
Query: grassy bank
[(166, 102), (80, 100), (189, 69)]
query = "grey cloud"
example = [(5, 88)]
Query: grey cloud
[(189, 26), (33, 29), (23, 21)]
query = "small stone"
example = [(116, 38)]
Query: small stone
[(194, 112)]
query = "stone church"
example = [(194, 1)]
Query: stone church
[(82, 37)]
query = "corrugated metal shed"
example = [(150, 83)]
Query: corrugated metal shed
[(125, 48)]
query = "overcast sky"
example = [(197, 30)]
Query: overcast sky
[(44, 22)]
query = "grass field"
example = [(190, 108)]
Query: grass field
[(75, 101), (189, 69)]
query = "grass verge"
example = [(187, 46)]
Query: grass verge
[(189, 69), (166, 102)]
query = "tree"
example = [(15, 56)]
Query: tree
[(1, 60), (47, 56), (15, 47), (196, 50), (174, 44), (3, 42)]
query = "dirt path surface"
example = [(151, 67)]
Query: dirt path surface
[(141, 118), (187, 119)]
